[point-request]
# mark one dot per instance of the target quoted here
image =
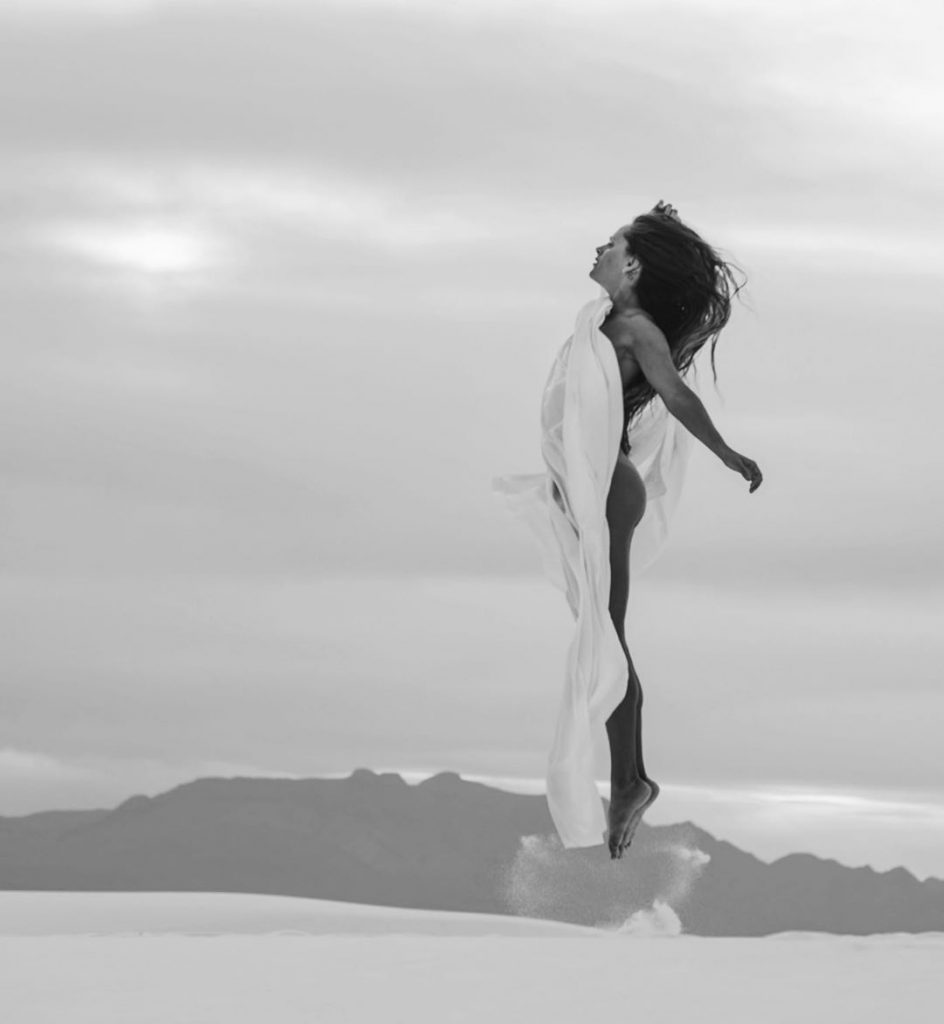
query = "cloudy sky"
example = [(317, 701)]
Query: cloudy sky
[(281, 283)]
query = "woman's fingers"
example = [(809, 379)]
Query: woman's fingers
[(748, 468), (755, 477), (751, 472)]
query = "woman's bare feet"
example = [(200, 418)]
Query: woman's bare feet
[(628, 803)]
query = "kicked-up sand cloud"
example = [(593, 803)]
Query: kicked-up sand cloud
[(635, 896)]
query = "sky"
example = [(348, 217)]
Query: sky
[(280, 284)]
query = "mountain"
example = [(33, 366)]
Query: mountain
[(445, 844)]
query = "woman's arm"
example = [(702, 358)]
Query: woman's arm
[(648, 346), (688, 409)]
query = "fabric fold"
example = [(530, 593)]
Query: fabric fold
[(564, 508)]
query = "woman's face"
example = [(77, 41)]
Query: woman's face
[(612, 258)]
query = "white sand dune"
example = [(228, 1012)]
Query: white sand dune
[(223, 913), (162, 958)]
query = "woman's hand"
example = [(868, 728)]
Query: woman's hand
[(748, 468)]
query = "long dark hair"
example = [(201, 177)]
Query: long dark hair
[(686, 287)]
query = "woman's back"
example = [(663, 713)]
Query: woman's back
[(630, 370)]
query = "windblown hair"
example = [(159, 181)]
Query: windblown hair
[(686, 287)]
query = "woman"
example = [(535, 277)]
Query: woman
[(670, 293)]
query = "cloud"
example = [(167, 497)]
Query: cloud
[(33, 780), (34, 766), (835, 248), (77, 10), (488, 106), (788, 804)]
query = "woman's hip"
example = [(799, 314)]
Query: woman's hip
[(626, 501)]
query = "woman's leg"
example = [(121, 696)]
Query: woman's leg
[(625, 506), (631, 791)]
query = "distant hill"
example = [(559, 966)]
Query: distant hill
[(445, 844)]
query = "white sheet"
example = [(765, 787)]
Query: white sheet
[(581, 427)]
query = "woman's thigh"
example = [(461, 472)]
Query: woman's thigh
[(626, 501), (625, 506)]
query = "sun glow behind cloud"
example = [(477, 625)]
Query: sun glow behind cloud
[(150, 248)]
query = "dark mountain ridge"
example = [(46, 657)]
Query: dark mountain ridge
[(446, 844)]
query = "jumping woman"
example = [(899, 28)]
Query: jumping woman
[(670, 294)]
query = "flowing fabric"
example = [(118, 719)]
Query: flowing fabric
[(565, 508)]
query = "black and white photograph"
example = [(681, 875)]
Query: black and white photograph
[(470, 511)]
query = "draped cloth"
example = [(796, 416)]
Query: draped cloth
[(565, 509)]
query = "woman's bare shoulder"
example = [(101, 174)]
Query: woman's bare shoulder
[(639, 335), (638, 323)]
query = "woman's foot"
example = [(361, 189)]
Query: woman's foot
[(654, 786), (628, 803)]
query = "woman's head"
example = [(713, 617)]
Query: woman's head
[(676, 277)]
